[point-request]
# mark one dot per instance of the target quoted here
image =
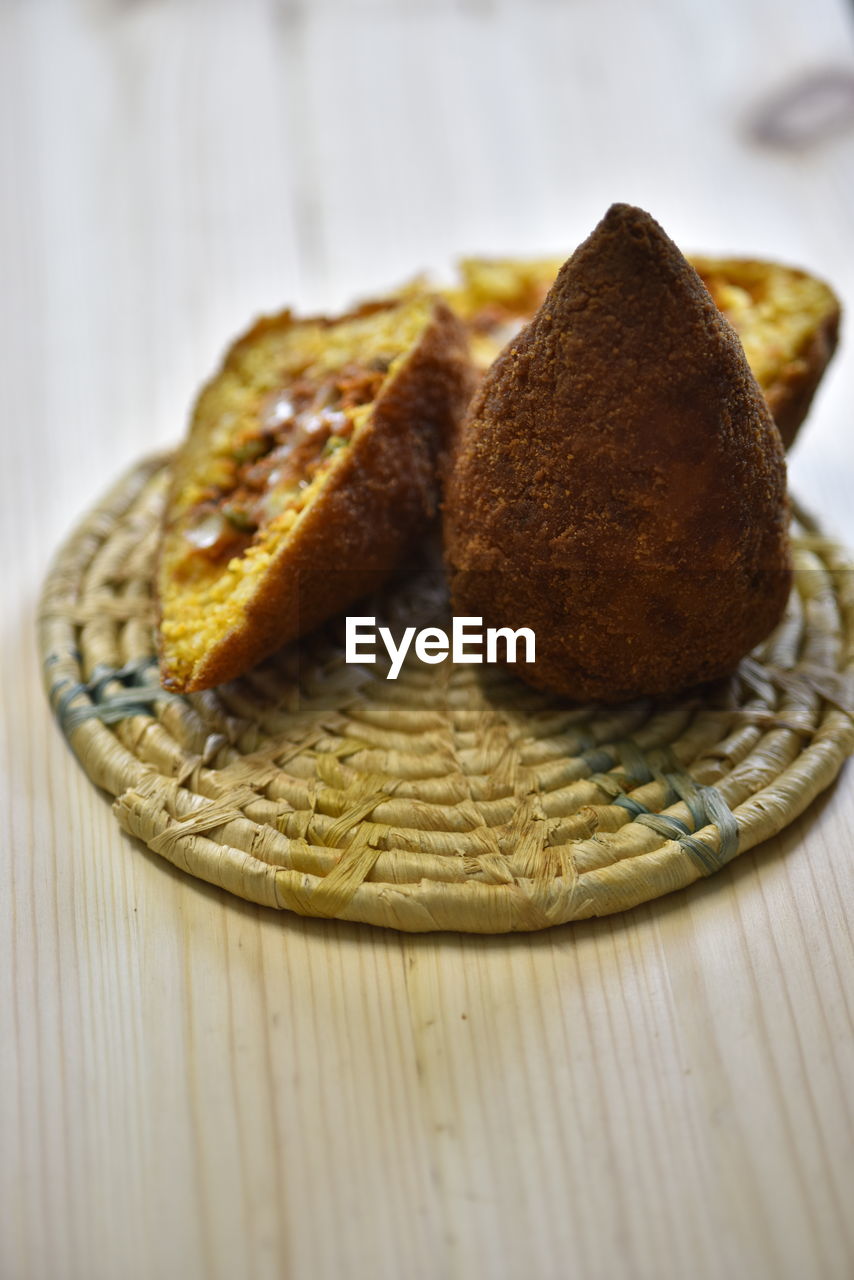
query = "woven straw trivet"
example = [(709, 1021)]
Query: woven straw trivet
[(455, 797)]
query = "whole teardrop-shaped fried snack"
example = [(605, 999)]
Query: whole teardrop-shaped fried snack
[(311, 465), (787, 319), (619, 485)]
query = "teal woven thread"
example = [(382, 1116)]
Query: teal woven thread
[(664, 825), (722, 816), (634, 762), (598, 760), (137, 698), (635, 808), (705, 804), (687, 790)]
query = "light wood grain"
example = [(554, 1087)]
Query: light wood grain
[(192, 1087)]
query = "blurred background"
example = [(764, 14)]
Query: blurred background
[(170, 169)]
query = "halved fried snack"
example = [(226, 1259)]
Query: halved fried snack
[(496, 297), (310, 467), (787, 320)]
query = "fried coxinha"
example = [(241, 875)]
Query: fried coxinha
[(313, 455), (311, 465), (619, 485), (786, 318)]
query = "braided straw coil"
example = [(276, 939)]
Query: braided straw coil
[(455, 797)]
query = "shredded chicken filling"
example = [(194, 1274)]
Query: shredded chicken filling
[(299, 430)]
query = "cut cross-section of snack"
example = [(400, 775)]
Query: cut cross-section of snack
[(311, 464), (787, 319)]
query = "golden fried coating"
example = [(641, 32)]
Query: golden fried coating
[(787, 320), (310, 467), (619, 485)]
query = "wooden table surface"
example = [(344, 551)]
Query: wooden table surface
[(193, 1087)]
